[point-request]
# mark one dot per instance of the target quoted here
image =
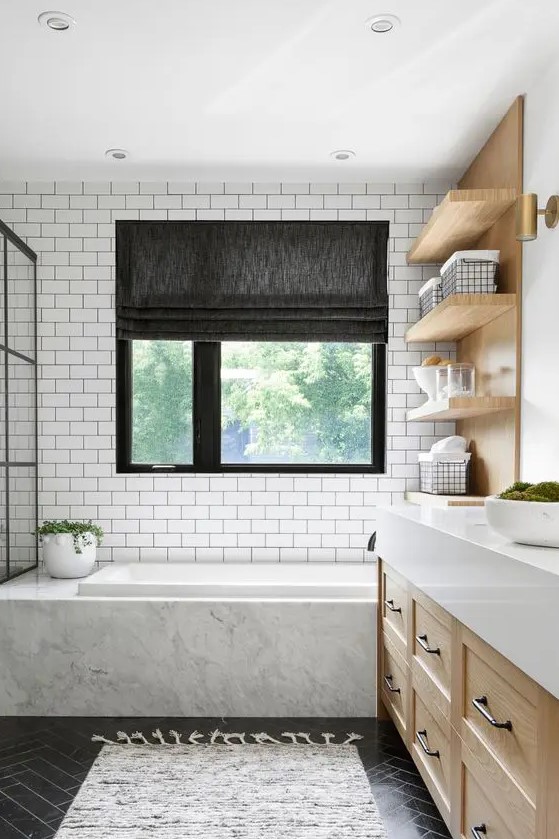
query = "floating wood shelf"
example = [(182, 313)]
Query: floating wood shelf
[(460, 315), (462, 407), (458, 223), (424, 499)]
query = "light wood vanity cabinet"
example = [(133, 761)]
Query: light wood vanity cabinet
[(483, 735)]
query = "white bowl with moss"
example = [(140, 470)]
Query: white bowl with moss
[(526, 513), (69, 548)]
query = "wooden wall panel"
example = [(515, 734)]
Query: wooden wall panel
[(495, 348)]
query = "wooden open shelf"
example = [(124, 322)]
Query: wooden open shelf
[(462, 407), (458, 223), (424, 499), (460, 315)]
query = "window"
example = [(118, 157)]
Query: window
[(251, 345), (250, 406)]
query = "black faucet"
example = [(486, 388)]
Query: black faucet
[(372, 542)]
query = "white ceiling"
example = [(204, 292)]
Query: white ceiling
[(262, 89)]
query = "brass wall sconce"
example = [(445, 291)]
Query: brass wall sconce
[(527, 215)]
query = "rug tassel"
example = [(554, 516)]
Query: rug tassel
[(140, 737), (291, 735), (195, 737), (176, 735), (328, 737), (240, 737), (306, 738), (263, 738), (123, 736), (100, 738), (351, 738), (215, 736), (157, 735)]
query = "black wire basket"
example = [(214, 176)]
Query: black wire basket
[(470, 276)]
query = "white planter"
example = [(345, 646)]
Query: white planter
[(62, 560), (527, 522)]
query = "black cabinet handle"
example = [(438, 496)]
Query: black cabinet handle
[(422, 737), (388, 683), (422, 641), (480, 704), (390, 605), (477, 831)]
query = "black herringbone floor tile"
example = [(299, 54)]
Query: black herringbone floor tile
[(43, 763)]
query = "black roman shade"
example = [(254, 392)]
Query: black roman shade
[(243, 280)]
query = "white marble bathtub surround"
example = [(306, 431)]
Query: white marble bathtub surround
[(109, 657)]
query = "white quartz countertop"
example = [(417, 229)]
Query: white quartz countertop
[(507, 594), (470, 524)]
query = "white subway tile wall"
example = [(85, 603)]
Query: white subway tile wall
[(217, 518)]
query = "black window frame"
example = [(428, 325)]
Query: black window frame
[(207, 420)]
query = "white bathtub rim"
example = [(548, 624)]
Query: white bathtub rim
[(233, 581)]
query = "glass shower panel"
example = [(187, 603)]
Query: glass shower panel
[(18, 407), (21, 410), (2, 407), (21, 302), (2, 249), (3, 527), (22, 518)]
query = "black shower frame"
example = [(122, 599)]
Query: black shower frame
[(9, 236)]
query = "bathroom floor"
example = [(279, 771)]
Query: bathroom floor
[(44, 761)]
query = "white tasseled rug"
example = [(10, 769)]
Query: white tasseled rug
[(225, 792)]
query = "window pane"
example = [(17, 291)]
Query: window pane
[(296, 403), (162, 402)]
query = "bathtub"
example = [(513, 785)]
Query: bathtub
[(194, 640), (238, 581)]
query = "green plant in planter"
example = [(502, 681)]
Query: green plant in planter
[(82, 532), (547, 491)]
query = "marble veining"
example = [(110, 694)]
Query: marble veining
[(73, 656)]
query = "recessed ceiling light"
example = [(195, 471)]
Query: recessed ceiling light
[(342, 154), (117, 154), (57, 21), (382, 24)]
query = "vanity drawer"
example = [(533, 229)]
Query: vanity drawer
[(395, 605), (432, 642), (499, 713), (483, 820), (395, 687), (431, 753)]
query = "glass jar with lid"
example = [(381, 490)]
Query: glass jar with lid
[(461, 379)]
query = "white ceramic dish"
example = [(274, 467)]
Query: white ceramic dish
[(426, 378), (526, 522)]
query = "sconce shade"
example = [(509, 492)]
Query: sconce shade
[(527, 217)]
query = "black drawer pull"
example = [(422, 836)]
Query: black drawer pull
[(388, 683), (390, 605), (477, 831), (422, 737), (422, 641), (480, 704)]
